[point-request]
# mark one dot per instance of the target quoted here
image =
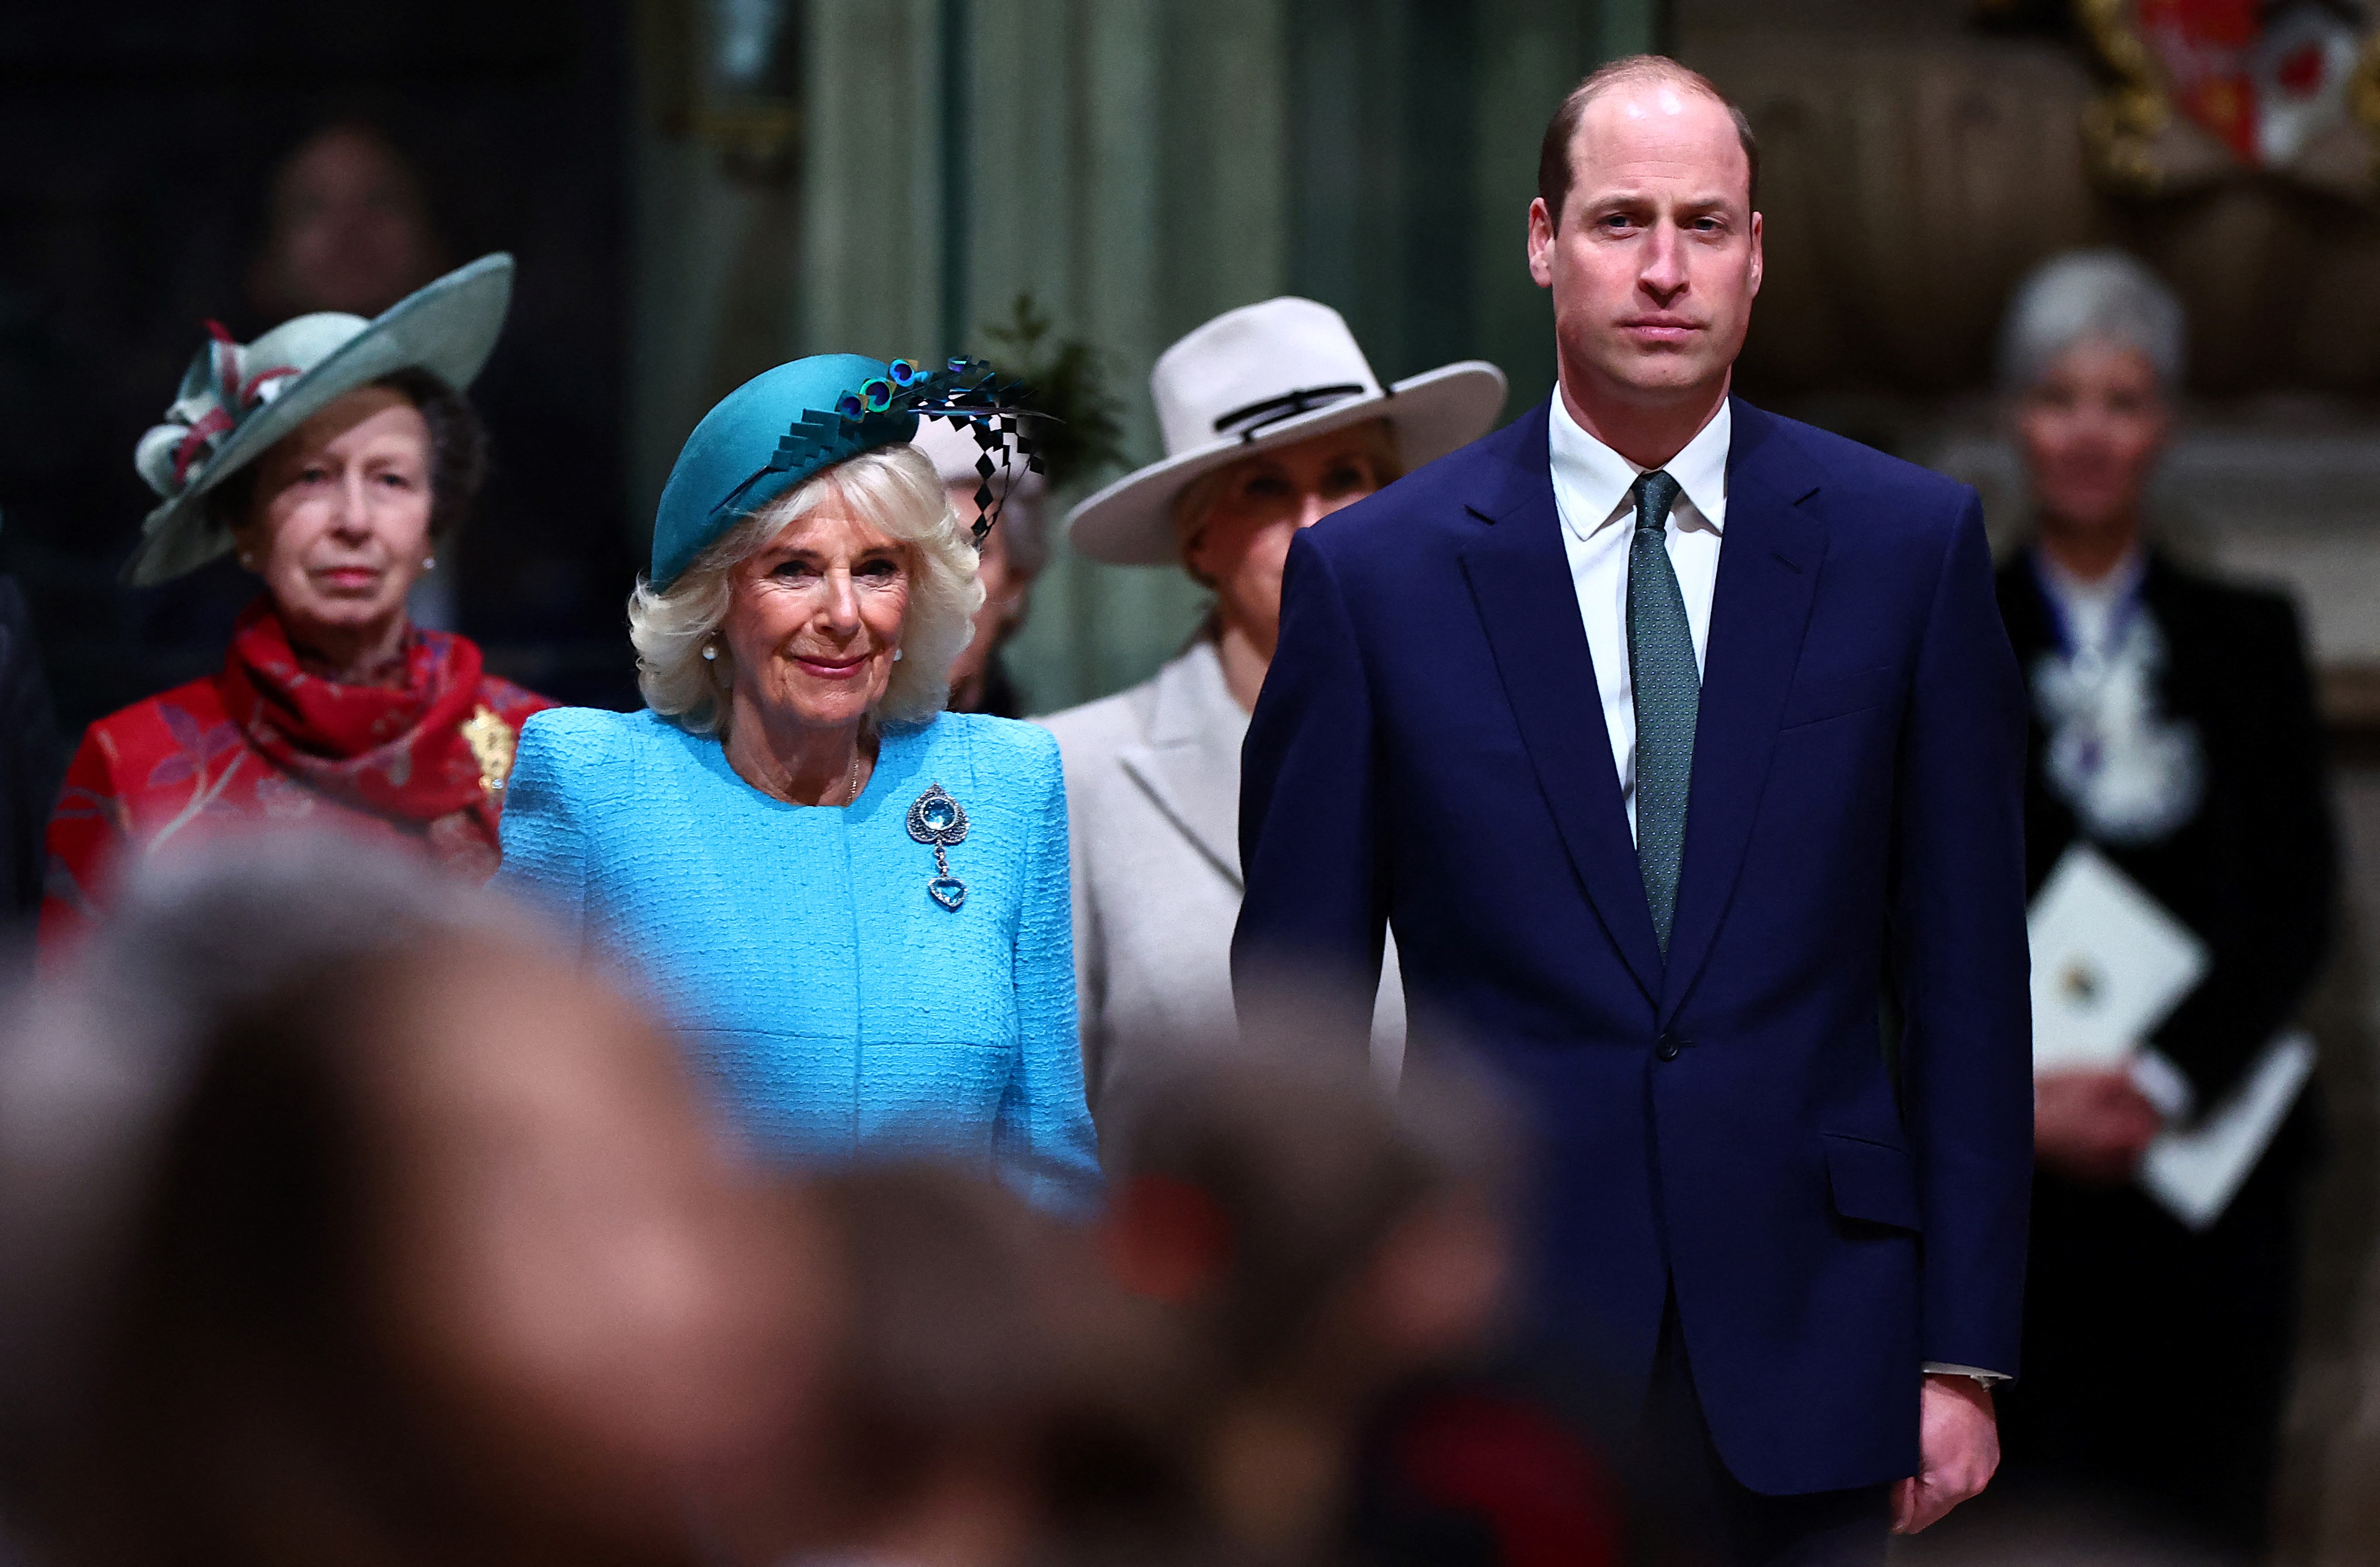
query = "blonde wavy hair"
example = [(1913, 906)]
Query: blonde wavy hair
[(894, 489)]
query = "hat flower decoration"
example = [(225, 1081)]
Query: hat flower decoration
[(217, 391), (968, 394)]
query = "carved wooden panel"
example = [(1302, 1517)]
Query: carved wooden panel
[(1908, 184)]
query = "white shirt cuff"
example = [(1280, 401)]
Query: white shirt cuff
[(1944, 1368), (2162, 1083)]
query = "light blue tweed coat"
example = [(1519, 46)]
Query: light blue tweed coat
[(840, 1009)]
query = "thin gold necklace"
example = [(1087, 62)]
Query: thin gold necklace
[(853, 798)]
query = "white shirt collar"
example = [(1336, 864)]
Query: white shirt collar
[(2093, 613), (2120, 583), (1594, 480)]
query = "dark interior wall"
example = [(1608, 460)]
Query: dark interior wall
[(140, 136), (1920, 157), (1413, 141), (1691, 21)]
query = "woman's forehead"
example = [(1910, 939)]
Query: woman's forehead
[(368, 418), (832, 527), (1336, 445)]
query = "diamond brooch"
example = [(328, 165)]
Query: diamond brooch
[(936, 818)]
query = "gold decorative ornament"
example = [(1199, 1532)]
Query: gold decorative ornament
[(2206, 90), (492, 743), (2119, 126)]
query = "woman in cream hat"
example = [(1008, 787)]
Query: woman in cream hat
[(334, 455), (1272, 419)]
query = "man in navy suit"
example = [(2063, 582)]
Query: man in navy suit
[(1672, 736)]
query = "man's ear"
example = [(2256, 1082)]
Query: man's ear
[(1541, 243), (1759, 265)]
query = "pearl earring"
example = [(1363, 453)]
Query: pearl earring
[(429, 563), (709, 652), (896, 655)]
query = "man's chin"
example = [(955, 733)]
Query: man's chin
[(1663, 376)]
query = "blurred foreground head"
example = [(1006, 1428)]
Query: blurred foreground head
[(976, 1340), (1319, 1240), (341, 1222), (1323, 1225)]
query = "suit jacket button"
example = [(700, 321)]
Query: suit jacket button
[(1668, 1047)]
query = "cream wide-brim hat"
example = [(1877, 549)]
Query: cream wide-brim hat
[(1263, 377), (254, 394)]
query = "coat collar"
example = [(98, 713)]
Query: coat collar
[(1520, 584), (1189, 759)]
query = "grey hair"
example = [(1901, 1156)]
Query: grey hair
[(2105, 295), (892, 487)]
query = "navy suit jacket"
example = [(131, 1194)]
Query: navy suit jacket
[(1429, 752)]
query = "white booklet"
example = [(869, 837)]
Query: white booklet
[(2196, 1172), (2108, 964)]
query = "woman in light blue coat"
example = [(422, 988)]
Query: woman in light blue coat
[(853, 904)]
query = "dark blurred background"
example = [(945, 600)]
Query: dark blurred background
[(137, 199)]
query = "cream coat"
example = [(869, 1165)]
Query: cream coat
[(1153, 798)]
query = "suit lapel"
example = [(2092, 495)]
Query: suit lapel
[(1760, 609), (1520, 582), (1190, 765)]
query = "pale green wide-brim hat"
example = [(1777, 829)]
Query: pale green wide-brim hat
[(238, 398)]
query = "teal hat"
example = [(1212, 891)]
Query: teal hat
[(788, 424)]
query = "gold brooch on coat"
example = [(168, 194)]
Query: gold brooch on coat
[(493, 742)]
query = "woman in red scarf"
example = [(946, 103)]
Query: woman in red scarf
[(332, 454)]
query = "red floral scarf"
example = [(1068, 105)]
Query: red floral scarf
[(400, 753)]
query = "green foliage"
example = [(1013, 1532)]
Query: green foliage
[(1063, 378)]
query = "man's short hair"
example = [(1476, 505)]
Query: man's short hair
[(1556, 172)]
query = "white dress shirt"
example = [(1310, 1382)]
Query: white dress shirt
[(1598, 515), (1591, 491)]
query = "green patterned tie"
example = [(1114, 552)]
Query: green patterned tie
[(1669, 690)]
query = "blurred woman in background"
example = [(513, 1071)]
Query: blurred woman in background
[(2175, 732), (334, 455), (1273, 421), (342, 1222), (852, 901)]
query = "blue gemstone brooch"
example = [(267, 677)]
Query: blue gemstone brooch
[(936, 818)]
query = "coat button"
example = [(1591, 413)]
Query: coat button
[(1668, 1047)]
